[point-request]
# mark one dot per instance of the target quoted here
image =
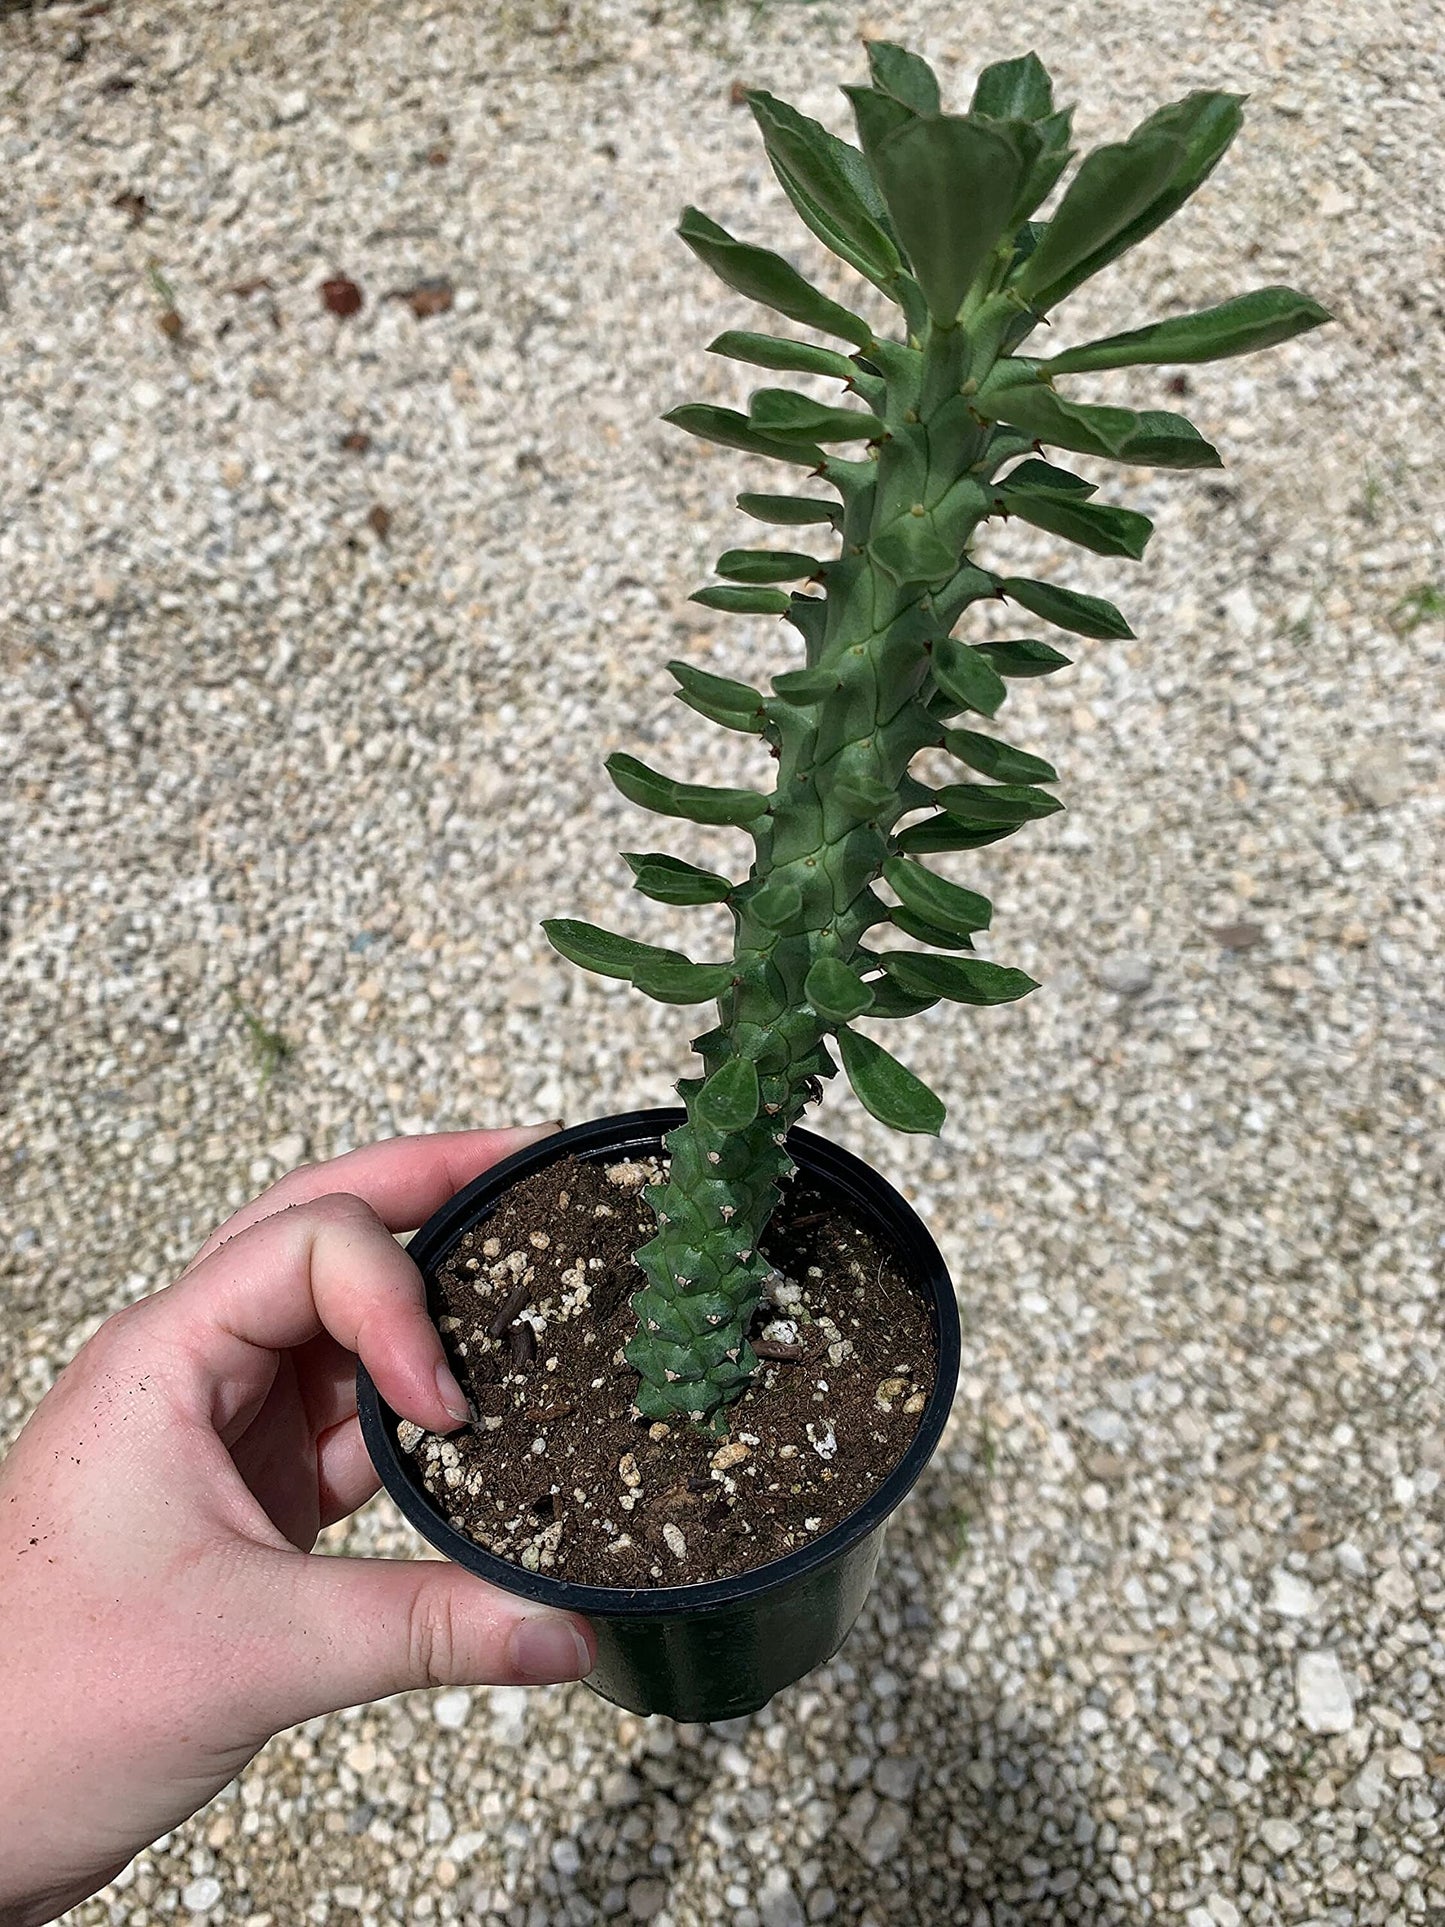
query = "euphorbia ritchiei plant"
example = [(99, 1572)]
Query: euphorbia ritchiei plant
[(937, 211)]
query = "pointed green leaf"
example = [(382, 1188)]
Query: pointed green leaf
[(963, 980), (829, 184), (951, 185), (721, 690), (784, 415), (944, 832), (602, 950), (776, 904), (1023, 656), (767, 565), (934, 897), (770, 351), (672, 979), (878, 115), (961, 673), (919, 928), (732, 430), (720, 699), (887, 1088), (1042, 478), (1204, 124), (667, 879), (730, 1098), (742, 602), (1113, 185), (789, 511), (1258, 320), (835, 992), (892, 1000), (1002, 761), (1011, 803), (695, 801), (805, 686), (764, 276), (907, 77), (1081, 615), (1150, 437), (1014, 90), (1093, 525)]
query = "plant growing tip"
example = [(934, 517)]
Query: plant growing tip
[(947, 423)]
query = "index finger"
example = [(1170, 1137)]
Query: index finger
[(403, 1179)]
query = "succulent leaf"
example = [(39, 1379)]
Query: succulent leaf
[(729, 1100), (733, 430), (1081, 615), (1152, 437), (1204, 124), (906, 76), (962, 673), (772, 351), (1262, 319), (1017, 89), (830, 185), (1010, 803), (1023, 656), (1112, 186), (950, 184), (962, 980), (767, 565), (788, 511), (894, 1095), (787, 416), (1093, 525), (667, 879), (766, 277), (600, 950), (720, 699), (742, 602), (934, 897), (1002, 761), (697, 802), (835, 991)]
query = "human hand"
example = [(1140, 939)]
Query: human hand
[(159, 1616)]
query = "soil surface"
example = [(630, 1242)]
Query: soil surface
[(558, 1474)]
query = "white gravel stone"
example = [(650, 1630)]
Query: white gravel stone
[(450, 1709), (199, 1896), (1280, 1836), (1324, 1698), (1290, 1596)]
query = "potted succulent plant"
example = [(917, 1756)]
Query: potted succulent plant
[(722, 1551)]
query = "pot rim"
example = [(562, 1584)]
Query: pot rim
[(886, 1211)]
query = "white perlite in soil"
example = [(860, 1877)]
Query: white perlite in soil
[(1159, 1637)]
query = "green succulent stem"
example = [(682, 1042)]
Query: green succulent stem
[(934, 209), (826, 835)]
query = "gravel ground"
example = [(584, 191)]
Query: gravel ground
[(304, 739)]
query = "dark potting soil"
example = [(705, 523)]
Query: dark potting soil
[(558, 1475)]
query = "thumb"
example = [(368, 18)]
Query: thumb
[(359, 1629)]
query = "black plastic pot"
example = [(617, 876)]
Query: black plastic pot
[(717, 1650)]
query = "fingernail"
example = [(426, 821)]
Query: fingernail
[(548, 1649), (533, 1133), (451, 1394)]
